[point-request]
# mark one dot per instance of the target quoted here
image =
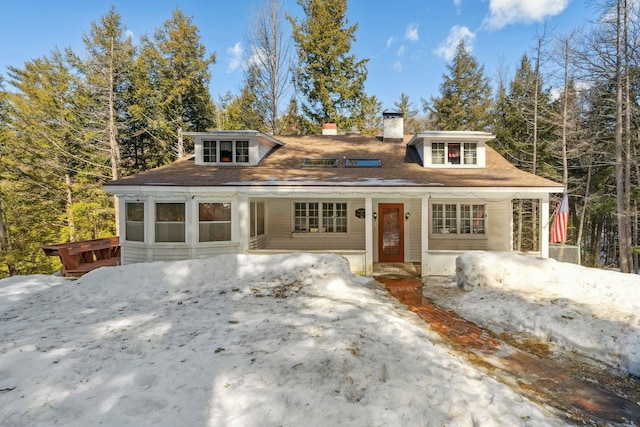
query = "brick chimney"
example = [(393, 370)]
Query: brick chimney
[(329, 129), (393, 127)]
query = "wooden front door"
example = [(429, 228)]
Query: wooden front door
[(391, 232)]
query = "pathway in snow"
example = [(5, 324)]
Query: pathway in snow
[(584, 395)]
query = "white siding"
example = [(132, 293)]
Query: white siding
[(280, 227)]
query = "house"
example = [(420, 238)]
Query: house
[(422, 199)]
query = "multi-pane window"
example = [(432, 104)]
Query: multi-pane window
[(472, 219), (470, 153), (225, 151), (334, 217), (242, 151), (257, 218), (454, 153), (315, 217), (170, 224), (134, 222), (214, 222), (437, 153), (451, 218), (209, 151)]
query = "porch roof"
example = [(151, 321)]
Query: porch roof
[(400, 166)]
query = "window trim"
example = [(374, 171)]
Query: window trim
[(458, 234), (127, 221), (199, 222), (446, 151), (320, 228), (217, 151), (184, 222)]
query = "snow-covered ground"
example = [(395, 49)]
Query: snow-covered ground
[(587, 310), (234, 341)]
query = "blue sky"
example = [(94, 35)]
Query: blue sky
[(409, 42)]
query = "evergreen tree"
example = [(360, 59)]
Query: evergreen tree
[(328, 77), (465, 95), (183, 77), (405, 106)]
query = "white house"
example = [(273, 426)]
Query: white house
[(423, 199)]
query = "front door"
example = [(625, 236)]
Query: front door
[(391, 232)]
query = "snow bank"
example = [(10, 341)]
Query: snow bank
[(593, 311), (236, 340)]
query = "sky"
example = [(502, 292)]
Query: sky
[(408, 42), (292, 339)]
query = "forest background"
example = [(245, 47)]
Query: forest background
[(71, 121)]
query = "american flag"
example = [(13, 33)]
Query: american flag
[(560, 221)]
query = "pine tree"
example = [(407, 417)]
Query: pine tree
[(182, 67), (465, 95), (327, 76)]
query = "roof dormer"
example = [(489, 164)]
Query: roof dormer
[(231, 148), (451, 149)]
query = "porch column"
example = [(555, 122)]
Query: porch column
[(424, 234), (241, 225), (544, 226), (368, 236)]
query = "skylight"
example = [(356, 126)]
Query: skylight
[(320, 163), (363, 163)]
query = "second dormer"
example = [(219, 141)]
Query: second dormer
[(451, 149), (231, 148)]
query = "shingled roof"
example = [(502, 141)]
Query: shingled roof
[(400, 166)]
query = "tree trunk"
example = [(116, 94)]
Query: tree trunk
[(70, 221), (113, 137)]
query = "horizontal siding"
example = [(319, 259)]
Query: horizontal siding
[(258, 242), (497, 238), (133, 254), (170, 253), (207, 252), (280, 225)]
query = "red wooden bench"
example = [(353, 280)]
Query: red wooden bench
[(79, 258)]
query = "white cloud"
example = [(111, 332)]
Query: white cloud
[(447, 48), (506, 12), (412, 33), (235, 57), (457, 4), (391, 41), (398, 66)]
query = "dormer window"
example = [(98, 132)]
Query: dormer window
[(225, 151), (454, 153)]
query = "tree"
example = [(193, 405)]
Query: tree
[(328, 77), (109, 59), (269, 61), (465, 95), (405, 106), (183, 77)]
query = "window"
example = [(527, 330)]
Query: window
[(214, 222), (437, 153), (470, 153), (323, 163), (454, 153), (170, 222), (472, 219), (225, 151), (316, 217), (134, 222), (257, 218), (209, 151), (451, 218), (242, 151), (363, 163)]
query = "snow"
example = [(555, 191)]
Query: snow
[(587, 310), (235, 340)]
